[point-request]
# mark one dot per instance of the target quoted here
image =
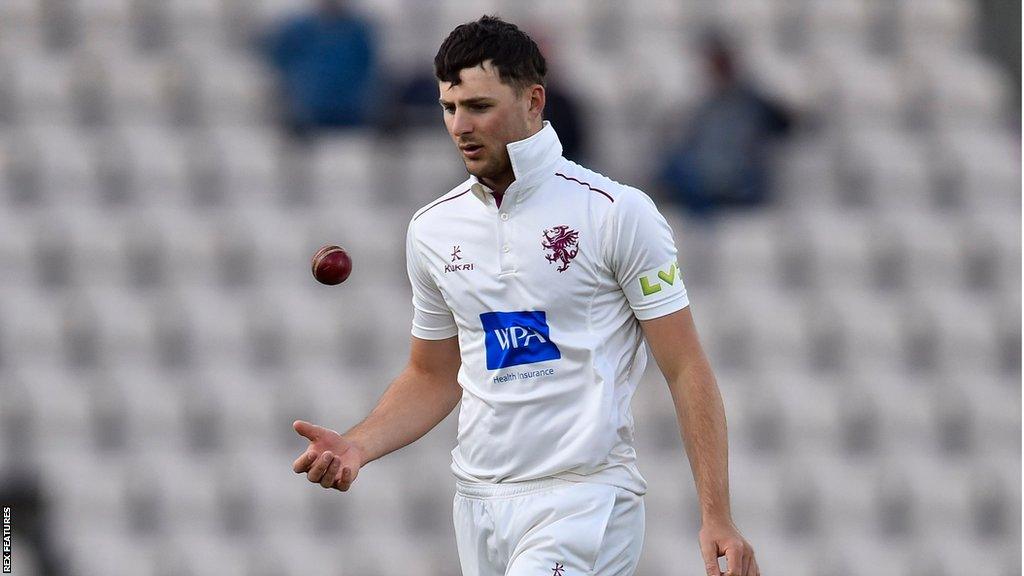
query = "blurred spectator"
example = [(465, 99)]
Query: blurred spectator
[(326, 65), (414, 103), (720, 161), (562, 110)]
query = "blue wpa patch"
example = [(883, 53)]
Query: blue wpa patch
[(514, 338)]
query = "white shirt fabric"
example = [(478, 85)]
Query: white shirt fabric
[(544, 294)]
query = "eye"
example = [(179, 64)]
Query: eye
[(448, 108), (480, 107)]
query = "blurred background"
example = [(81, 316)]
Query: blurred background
[(843, 178)]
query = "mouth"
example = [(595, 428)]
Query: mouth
[(471, 151)]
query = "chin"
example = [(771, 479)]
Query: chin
[(480, 171)]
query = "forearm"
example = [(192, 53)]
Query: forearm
[(412, 405), (702, 424)]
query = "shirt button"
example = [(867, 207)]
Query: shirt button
[(506, 248), (504, 215)]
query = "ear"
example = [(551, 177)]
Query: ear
[(537, 98)]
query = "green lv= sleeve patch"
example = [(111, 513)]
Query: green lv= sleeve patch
[(668, 276)]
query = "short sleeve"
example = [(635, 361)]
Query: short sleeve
[(642, 255), (432, 319)]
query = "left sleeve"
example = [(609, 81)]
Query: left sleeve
[(642, 255)]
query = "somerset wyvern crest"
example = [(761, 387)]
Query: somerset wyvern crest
[(562, 245)]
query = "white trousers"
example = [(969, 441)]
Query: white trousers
[(548, 527)]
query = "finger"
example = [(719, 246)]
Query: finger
[(302, 463), (733, 561), (318, 469), (332, 470), (307, 430), (345, 479), (709, 552), (754, 570), (748, 563)]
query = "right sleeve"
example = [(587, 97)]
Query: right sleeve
[(431, 319)]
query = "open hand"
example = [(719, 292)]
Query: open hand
[(330, 460)]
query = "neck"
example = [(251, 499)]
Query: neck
[(502, 181)]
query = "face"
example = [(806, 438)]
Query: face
[(483, 115)]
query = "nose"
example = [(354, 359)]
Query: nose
[(461, 123)]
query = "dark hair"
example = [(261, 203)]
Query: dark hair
[(513, 53)]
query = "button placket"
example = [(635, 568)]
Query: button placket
[(504, 241)]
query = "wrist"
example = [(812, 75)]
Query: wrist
[(717, 518), (359, 448)]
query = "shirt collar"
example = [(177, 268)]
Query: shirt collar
[(533, 161)]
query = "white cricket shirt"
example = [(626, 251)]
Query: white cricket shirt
[(544, 294)]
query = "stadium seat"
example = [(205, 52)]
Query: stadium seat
[(431, 167), (990, 182), (843, 22), (748, 254), (930, 26), (233, 86), (15, 253), (266, 496), (865, 90), (242, 403), (195, 22), (84, 346), (805, 179), (219, 326), (158, 161), (995, 409), (8, 95), (763, 423), (93, 552), (196, 555), (344, 167), (954, 421), (125, 332), (59, 409), (43, 81), (870, 328), (252, 163), (66, 170), (933, 243), (154, 415), (966, 335), (903, 404), (32, 329), (835, 245)]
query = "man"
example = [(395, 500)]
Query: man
[(722, 160), (535, 282), (326, 62)]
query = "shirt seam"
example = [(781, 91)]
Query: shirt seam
[(439, 202), (416, 254), (597, 275)]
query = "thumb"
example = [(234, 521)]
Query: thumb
[(709, 552), (307, 430)]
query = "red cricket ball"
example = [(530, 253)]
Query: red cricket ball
[(331, 265)]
